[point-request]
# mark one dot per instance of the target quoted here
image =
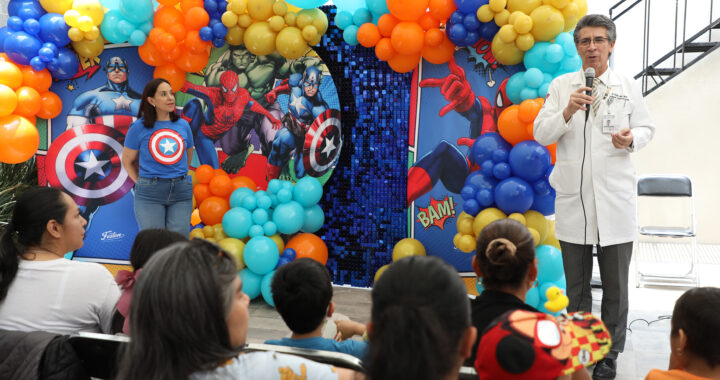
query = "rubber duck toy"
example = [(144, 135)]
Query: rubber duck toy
[(556, 299)]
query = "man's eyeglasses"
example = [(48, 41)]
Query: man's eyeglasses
[(585, 42)]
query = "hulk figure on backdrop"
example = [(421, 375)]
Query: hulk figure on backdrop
[(258, 75)]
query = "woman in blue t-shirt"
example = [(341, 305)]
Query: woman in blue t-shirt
[(158, 151)]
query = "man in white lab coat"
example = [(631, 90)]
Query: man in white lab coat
[(594, 177)]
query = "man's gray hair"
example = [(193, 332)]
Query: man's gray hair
[(596, 20)]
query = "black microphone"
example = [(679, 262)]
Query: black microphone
[(589, 78)]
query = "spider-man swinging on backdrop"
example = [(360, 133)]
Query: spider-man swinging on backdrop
[(218, 124), (445, 162)]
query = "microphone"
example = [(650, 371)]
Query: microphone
[(589, 78)]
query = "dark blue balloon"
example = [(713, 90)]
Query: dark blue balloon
[(469, 6), (219, 30), (456, 17), (541, 187), (65, 66), (471, 206), (15, 24), (480, 180), (21, 47), (485, 146), (471, 22), (37, 64), (218, 42), (289, 253), (53, 29), (485, 198), (545, 204), (206, 33), (501, 170), (499, 155), (468, 192), (5, 32), (46, 54), (31, 26), (457, 32), (471, 38), (222, 6), (529, 160), (282, 261), (25, 9), (487, 167), (213, 22), (487, 30), (513, 195), (211, 5)]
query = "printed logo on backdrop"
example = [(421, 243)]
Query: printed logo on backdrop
[(436, 213)]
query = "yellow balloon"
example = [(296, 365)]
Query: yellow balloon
[(279, 242), (485, 217), (197, 233), (507, 54), (535, 235), (56, 6), (551, 239), (466, 243), (548, 22), (208, 231), (244, 20), (260, 10), (211, 239), (303, 20), (513, 17), (525, 6), (229, 19), (407, 247), (538, 222), (89, 49), (523, 23), (456, 240), (85, 23), (235, 35), (291, 18), (485, 13), (525, 41), (276, 23), (219, 232), (501, 18), (191, 173), (280, 8), (291, 8), (320, 23), (496, 5), (465, 226), (310, 33), (8, 100), (380, 271), (507, 33), (234, 247), (517, 216), (464, 215), (71, 17), (237, 6), (92, 34), (560, 4), (573, 12), (76, 34), (259, 38), (90, 8)]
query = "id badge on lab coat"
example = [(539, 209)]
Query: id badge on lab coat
[(608, 123)]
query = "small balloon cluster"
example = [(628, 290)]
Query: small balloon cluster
[(36, 38), (515, 123), (404, 248), (215, 31), (174, 45), (464, 28), (84, 18), (212, 189), (265, 26), (24, 94), (469, 227), (130, 21), (544, 62), (513, 179)]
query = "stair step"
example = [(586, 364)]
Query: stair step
[(698, 47), (661, 71)]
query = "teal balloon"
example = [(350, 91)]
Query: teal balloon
[(349, 5), (343, 20), (554, 53), (533, 77), (549, 263), (146, 27), (237, 222), (274, 185), (307, 191), (109, 26), (237, 196), (269, 228), (256, 230), (289, 217), (261, 254), (514, 86), (362, 16), (314, 219), (350, 35), (266, 288), (532, 297), (110, 4), (284, 195), (479, 285), (377, 7), (306, 4), (137, 38), (260, 216), (251, 283), (137, 11)]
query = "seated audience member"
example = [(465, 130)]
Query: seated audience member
[(189, 320), (420, 324), (302, 292), (39, 288), (146, 243), (694, 337)]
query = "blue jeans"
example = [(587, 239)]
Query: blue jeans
[(164, 203)]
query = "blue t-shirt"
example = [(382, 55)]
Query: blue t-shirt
[(355, 348), (162, 148)]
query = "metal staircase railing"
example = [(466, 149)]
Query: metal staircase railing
[(682, 55)]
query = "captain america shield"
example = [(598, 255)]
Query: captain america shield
[(85, 161), (166, 146), (323, 141)]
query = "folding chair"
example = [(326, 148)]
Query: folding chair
[(668, 186), (98, 352)]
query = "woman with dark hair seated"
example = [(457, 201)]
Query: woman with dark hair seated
[(420, 321), (189, 320), (39, 288)]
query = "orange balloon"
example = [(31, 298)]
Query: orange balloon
[(166, 17), (404, 63), (442, 9), (194, 44), (434, 37), (39, 80), (174, 54), (186, 5), (201, 191), (204, 173), (309, 245), (167, 43), (407, 10), (8, 100), (407, 37), (441, 53), (150, 54), (219, 171), (28, 101), (19, 139), (510, 127), (221, 186), (10, 75), (386, 23), (552, 149), (172, 74), (242, 181), (178, 31), (51, 105), (155, 35), (212, 210), (529, 109), (427, 21), (196, 18), (192, 63), (384, 50), (368, 35), (169, 3)]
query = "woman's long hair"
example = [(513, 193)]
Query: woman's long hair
[(33, 210), (178, 313), (147, 111), (420, 312)]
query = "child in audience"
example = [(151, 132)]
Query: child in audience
[(302, 293), (420, 326), (189, 320), (39, 288), (694, 337), (146, 243)]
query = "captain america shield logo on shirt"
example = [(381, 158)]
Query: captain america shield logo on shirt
[(166, 146), (85, 161), (323, 141)]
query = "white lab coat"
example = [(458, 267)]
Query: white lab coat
[(608, 175)]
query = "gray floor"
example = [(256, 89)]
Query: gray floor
[(647, 344)]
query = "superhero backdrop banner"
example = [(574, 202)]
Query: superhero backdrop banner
[(453, 104), (81, 149)]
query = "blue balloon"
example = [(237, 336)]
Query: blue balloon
[(549, 263), (468, 192), (37, 64), (236, 222), (15, 23), (25, 9), (146, 27), (46, 53), (137, 38), (289, 253), (251, 283), (307, 4), (471, 38), (377, 7), (514, 86), (289, 217), (269, 228), (481, 181), (561, 283), (545, 204), (529, 160), (206, 33), (499, 155), (222, 6), (218, 42), (350, 5), (282, 261), (533, 77), (136, 11), (238, 195), (532, 297), (260, 216), (513, 195), (350, 35), (485, 146), (537, 58), (307, 191), (488, 30), (219, 30), (22, 47), (457, 33), (570, 64), (261, 254), (485, 198), (471, 22), (501, 170), (469, 6), (541, 187), (266, 289), (471, 207), (487, 167), (31, 26), (5, 32), (361, 16), (210, 5), (287, 185), (456, 17), (314, 219)]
